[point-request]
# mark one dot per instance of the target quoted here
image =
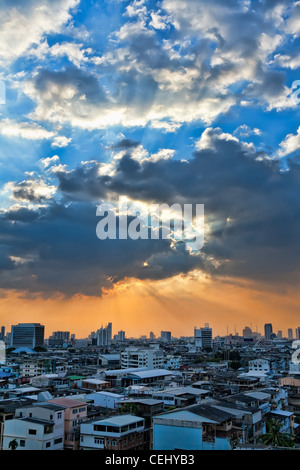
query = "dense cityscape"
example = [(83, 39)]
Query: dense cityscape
[(149, 230), (107, 392)]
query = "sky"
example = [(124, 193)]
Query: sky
[(161, 102)]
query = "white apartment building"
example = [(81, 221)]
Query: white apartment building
[(38, 427), (149, 358), (259, 365)]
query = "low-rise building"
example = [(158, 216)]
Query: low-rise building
[(75, 414), (199, 427), (151, 358), (124, 432)]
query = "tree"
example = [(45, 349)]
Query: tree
[(275, 437), (235, 365), (13, 444), (40, 349)]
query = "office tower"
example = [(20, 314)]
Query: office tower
[(268, 331), (203, 337), (290, 334), (279, 334), (152, 335), (298, 332), (2, 333), (28, 335), (104, 335), (247, 332), (59, 338), (109, 332), (166, 336), (121, 336)]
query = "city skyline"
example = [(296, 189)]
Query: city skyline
[(143, 334), (189, 102)]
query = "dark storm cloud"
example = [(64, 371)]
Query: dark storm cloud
[(252, 206), (59, 252), (125, 144)]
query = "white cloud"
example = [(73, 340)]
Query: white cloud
[(61, 141), (30, 190), (25, 130), (22, 26), (290, 144), (46, 162)]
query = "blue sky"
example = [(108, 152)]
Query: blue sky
[(165, 101)]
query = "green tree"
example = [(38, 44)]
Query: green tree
[(275, 437), (40, 349), (13, 444), (235, 365)]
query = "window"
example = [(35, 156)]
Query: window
[(22, 443), (59, 415), (99, 427), (113, 429), (99, 441), (75, 411), (32, 431), (132, 425), (82, 409), (58, 441), (48, 444), (74, 422)]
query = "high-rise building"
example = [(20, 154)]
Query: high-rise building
[(152, 335), (104, 335), (268, 331), (121, 336), (247, 332), (28, 335), (279, 334), (290, 334), (203, 337), (166, 336), (298, 332), (2, 333), (59, 338)]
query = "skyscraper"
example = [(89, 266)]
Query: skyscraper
[(104, 335), (203, 337), (290, 334), (268, 331), (166, 336), (28, 335), (247, 332), (121, 336), (59, 338), (2, 333)]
